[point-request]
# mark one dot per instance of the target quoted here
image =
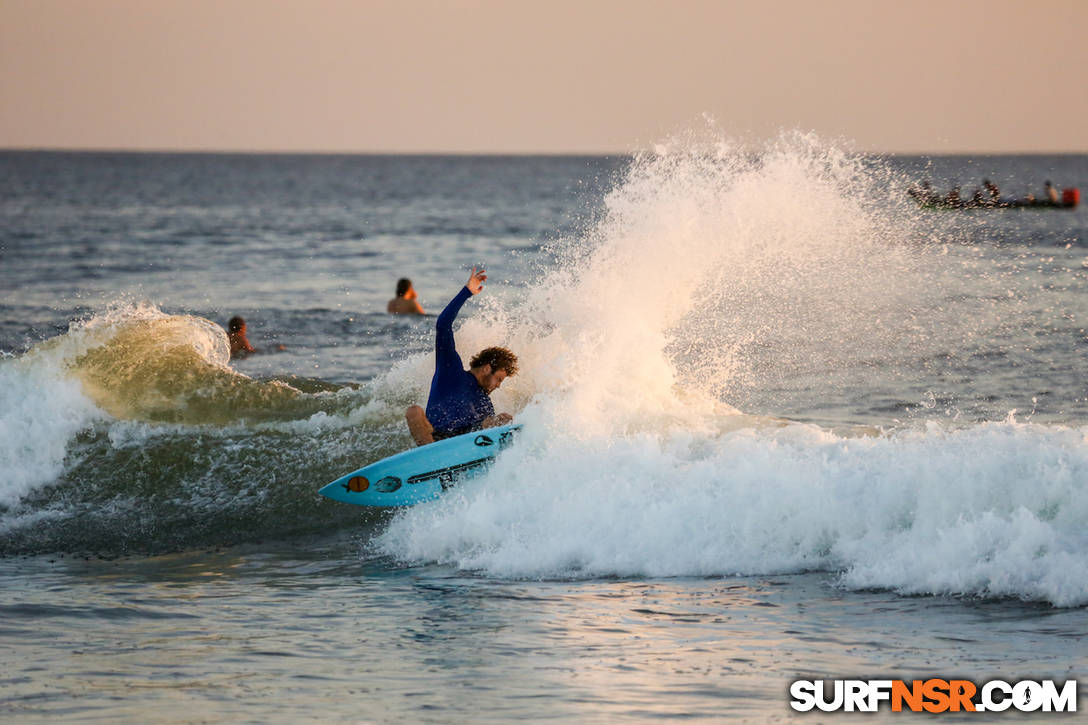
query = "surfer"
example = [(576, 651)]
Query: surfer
[(406, 302), (459, 401)]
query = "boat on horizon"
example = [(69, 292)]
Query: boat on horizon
[(1068, 199)]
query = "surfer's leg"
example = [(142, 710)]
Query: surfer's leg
[(421, 429)]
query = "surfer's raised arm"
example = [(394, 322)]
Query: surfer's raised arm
[(460, 401), (446, 358)]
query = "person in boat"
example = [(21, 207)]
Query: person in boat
[(1051, 192), (236, 335), (924, 194), (406, 302), (953, 198), (993, 192), (931, 195), (459, 400)]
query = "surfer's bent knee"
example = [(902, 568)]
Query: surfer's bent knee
[(421, 429)]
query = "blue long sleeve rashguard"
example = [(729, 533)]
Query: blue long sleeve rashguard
[(457, 404)]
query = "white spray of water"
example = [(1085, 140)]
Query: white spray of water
[(705, 258), (634, 464)]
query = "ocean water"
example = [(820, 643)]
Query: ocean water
[(780, 424)]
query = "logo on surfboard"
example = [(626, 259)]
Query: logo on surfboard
[(505, 439)]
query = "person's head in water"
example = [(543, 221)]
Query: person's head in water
[(493, 365), (236, 336), (407, 300)]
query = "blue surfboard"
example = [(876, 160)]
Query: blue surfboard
[(423, 473)]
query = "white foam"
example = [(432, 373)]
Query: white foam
[(997, 509), (40, 412)]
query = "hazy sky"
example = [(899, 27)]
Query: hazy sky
[(540, 75)]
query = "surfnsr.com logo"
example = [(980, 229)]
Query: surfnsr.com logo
[(933, 695)]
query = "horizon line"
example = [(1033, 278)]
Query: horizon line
[(492, 153)]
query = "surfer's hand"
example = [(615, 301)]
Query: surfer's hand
[(476, 281), (494, 420)]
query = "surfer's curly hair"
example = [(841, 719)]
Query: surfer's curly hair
[(496, 357)]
